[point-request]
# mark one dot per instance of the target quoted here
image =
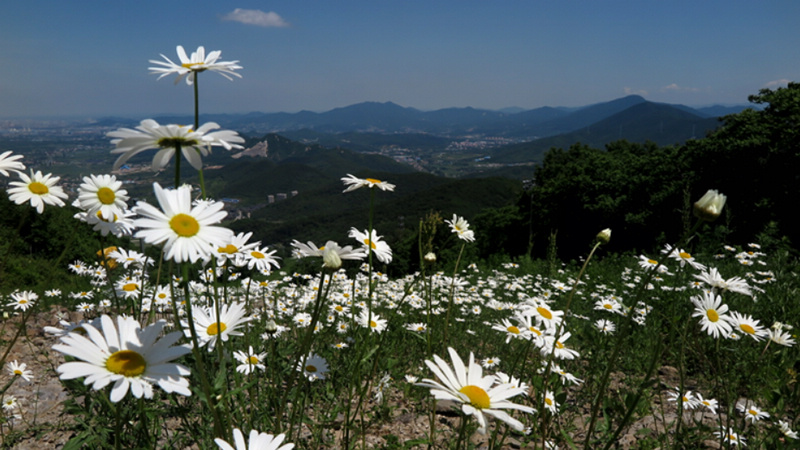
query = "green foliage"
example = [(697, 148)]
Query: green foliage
[(753, 159), (36, 248), (633, 189)]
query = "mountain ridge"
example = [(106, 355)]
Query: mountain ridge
[(389, 117)]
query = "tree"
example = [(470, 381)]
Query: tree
[(753, 159)]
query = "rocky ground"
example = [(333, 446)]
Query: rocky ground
[(44, 425)]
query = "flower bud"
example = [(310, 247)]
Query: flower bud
[(710, 205), (271, 327), (430, 257), (331, 259), (604, 236)]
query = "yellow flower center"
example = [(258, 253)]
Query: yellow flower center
[(338, 308), (310, 368), (747, 328), (38, 188), (607, 306), (535, 330), (175, 142), (477, 396), (559, 344), (369, 243), (513, 329), (544, 312), (652, 261), (130, 287), (191, 66), (100, 216), (162, 295), (106, 196), (127, 363), (253, 360), (257, 255), (22, 301), (752, 412), (213, 330), (17, 372), (374, 181), (684, 255), (229, 249), (184, 225), (372, 324), (549, 401), (712, 315)]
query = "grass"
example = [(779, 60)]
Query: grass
[(619, 380)]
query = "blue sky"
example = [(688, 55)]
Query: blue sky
[(90, 58)]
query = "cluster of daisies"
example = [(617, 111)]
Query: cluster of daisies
[(752, 414), (12, 410)]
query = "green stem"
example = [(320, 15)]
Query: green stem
[(557, 336), (452, 294), (302, 353), (625, 326), (219, 428), (177, 165)]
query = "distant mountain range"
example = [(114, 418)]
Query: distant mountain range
[(373, 127), (388, 117)]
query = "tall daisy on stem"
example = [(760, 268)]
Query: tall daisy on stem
[(172, 140), (369, 239), (188, 233), (477, 395), (189, 68), (460, 227)]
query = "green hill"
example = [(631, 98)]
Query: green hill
[(642, 122)]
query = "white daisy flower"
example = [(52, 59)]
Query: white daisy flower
[(550, 402), (187, 232), (127, 355), (257, 441), (730, 437), (460, 227), (121, 224), (37, 189), (682, 257), (166, 138), (375, 324), (375, 242), (787, 430), (557, 347), (20, 369), (746, 324), (261, 259), (10, 163), (751, 412), (234, 250), (478, 395), (10, 403), (250, 361), (331, 253), (209, 328), (314, 367), (354, 183), (191, 66), (714, 320), (102, 195), (23, 300)]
